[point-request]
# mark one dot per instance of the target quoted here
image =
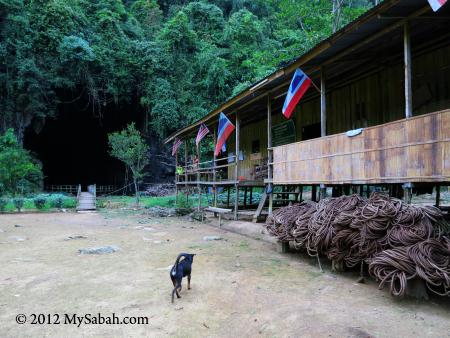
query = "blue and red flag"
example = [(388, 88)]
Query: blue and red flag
[(225, 130), (437, 4), (299, 85)]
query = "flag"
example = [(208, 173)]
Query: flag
[(224, 148), (436, 4), (202, 132), (176, 145), (225, 130), (299, 85)]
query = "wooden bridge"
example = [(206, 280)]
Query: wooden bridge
[(86, 200)]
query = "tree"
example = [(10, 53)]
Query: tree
[(129, 147), (19, 172), (171, 59)]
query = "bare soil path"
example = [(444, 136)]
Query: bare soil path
[(240, 287)]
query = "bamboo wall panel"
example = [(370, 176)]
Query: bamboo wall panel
[(382, 95), (408, 150), (249, 133)]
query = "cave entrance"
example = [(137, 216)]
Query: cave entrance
[(73, 147)]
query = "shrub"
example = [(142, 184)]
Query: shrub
[(58, 202), (18, 203), (39, 202), (184, 202), (3, 203), (19, 172)]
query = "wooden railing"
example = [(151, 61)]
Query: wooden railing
[(203, 172), (76, 189), (409, 150), (66, 188)]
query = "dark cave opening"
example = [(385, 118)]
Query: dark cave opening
[(73, 146)]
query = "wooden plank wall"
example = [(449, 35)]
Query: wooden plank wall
[(408, 150), (380, 93)]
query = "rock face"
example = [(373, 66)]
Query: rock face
[(161, 168), (99, 250)]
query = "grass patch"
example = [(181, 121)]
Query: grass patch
[(69, 202), (243, 245), (147, 201)]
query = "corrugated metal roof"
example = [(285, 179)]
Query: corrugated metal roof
[(389, 13)]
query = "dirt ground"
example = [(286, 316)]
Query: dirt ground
[(240, 287)]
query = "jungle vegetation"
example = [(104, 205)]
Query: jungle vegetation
[(171, 59)]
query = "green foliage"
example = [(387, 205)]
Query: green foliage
[(18, 203), (18, 171), (184, 202), (3, 203), (173, 59), (58, 202), (55, 200), (129, 147), (39, 202)]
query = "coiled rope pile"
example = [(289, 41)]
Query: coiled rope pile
[(398, 241)]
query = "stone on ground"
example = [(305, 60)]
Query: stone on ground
[(99, 250)]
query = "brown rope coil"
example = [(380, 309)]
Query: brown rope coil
[(399, 241)]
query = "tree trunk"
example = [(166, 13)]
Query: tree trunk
[(136, 189)]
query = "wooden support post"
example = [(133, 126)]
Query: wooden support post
[(261, 204), (214, 171), (314, 193), (228, 197), (245, 197), (408, 73), (199, 189), (236, 169), (407, 187), (301, 194), (322, 192), (438, 195), (323, 104), (323, 119), (251, 196), (185, 163), (176, 177), (318, 261), (269, 152)]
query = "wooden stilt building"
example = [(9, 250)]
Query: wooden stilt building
[(386, 73)]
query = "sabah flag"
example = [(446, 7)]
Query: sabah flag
[(436, 4), (299, 85), (225, 130)]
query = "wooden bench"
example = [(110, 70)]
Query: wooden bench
[(219, 211)]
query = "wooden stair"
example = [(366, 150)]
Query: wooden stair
[(86, 200)]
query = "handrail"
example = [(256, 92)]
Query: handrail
[(211, 161)]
